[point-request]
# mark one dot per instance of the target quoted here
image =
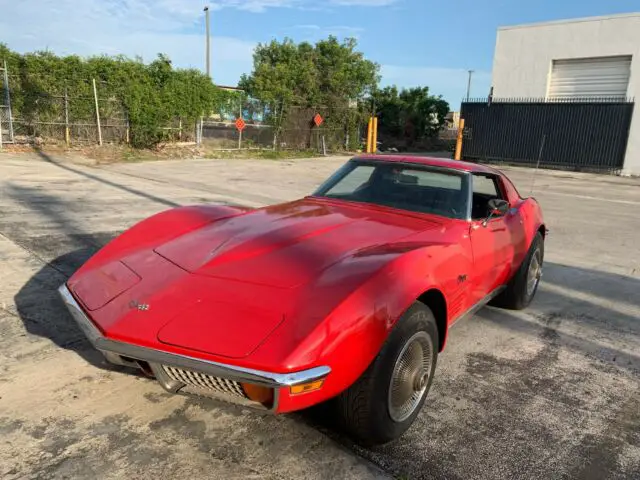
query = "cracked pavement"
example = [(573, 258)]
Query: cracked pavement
[(550, 392)]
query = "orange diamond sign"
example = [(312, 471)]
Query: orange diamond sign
[(318, 120), (240, 124)]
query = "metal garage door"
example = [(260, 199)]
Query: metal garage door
[(590, 77)]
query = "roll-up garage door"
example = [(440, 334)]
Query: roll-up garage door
[(590, 77)]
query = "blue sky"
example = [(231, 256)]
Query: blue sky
[(416, 42)]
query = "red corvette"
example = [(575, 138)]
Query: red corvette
[(346, 294)]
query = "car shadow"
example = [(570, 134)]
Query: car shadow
[(605, 307), (44, 314)]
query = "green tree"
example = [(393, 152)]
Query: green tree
[(411, 113), (325, 77), (310, 75), (152, 95)]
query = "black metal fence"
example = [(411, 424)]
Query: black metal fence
[(578, 134)]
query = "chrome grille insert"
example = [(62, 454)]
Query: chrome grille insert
[(204, 381)]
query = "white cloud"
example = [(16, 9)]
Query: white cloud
[(307, 27), (147, 27), (315, 32), (130, 27), (451, 83), (364, 3)]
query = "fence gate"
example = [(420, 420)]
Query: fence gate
[(577, 134), (6, 120)]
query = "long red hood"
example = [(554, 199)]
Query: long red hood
[(287, 245), (225, 286)]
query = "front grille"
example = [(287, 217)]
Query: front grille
[(204, 381)]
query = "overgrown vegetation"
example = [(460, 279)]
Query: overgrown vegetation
[(289, 83), (151, 95), (329, 76), (410, 114)]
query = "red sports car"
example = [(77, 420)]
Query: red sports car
[(346, 294)]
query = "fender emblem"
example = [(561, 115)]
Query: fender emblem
[(140, 306), (462, 278)]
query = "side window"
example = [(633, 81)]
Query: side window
[(485, 188)]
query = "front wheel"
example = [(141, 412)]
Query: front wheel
[(383, 403), (524, 285)]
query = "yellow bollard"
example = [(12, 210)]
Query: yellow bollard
[(458, 154), (370, 135), (374, 143)]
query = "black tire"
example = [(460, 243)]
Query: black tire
[(519, 293), (365, 408)]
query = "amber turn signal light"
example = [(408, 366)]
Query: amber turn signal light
[(306, 387)]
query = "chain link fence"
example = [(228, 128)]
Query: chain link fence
[(282, 126), (6, 124), (44, 112), (38, 116), (47, 118)]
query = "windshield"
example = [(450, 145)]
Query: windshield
[(415, 188)]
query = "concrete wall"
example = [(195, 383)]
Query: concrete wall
[(524, 55)]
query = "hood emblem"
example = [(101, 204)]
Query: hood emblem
[(140, 306)]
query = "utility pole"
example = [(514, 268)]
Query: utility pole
[(469, 84), (208, 42)]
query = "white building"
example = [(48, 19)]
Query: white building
[(598, 56)]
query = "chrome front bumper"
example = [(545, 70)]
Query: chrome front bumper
[(159, 360)]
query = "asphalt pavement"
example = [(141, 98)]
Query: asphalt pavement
[(550, 392)]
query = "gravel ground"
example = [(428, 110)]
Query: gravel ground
[(551, 392)]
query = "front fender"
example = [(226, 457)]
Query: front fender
[(533, 218), (383, 285)]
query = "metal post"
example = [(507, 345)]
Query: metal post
[(180, 131), (374, 146), (240, 130), (469, 84), (458, 153), (199, 123), (127, 133), (95, 96), (8, 94), (208, 42), (67, 136), (370, 135), (0, 129)]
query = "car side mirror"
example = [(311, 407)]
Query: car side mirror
[(497, 207)]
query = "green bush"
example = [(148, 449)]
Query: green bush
[(152, 95)]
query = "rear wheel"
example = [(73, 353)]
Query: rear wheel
[(386, 399), (524, 285)]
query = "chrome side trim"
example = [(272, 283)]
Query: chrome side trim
[(215, 369), (469, 197), (478, 306), (87, 327)]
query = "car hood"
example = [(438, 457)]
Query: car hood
[(225, 288), (288, 245)]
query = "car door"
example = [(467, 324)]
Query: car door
[(492, 239)]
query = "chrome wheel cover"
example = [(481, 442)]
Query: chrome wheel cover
[(535, 272), (410, 376)]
